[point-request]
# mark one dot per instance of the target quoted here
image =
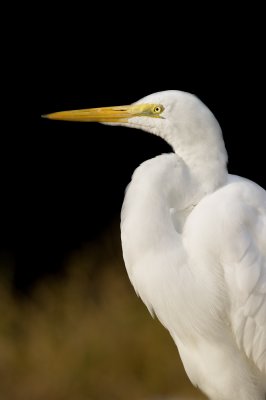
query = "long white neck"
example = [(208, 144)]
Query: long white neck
[(194, 134), (200, 144), (177, 181)]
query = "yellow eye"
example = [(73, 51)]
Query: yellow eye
[(157, 110)]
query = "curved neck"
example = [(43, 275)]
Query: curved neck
[(202, 148)]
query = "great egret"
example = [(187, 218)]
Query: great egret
[(194, 244)]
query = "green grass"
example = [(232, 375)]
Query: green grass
[(86, 336)]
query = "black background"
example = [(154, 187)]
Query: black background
[(63, 183)]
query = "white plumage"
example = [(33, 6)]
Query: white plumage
[(194, 244)]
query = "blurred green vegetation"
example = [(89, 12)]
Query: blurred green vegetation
[(86, 335)]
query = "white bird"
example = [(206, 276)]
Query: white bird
[(194, 244)]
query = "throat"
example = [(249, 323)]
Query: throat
[(208, 171), (205, 159), (196, 137)]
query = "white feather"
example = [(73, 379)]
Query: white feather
[(194, 245)]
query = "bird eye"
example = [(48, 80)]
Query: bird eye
[(157, 109)]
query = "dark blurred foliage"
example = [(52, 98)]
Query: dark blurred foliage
[(86, 336)]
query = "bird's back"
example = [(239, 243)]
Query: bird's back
[(227, 233)]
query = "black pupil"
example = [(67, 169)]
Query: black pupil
[(157, 109)]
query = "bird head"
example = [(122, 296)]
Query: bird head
[(167, 114), (141, 112)]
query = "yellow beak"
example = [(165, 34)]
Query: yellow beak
[(108, 114)]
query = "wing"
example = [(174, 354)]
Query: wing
[(244, 264), (227, 232)]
